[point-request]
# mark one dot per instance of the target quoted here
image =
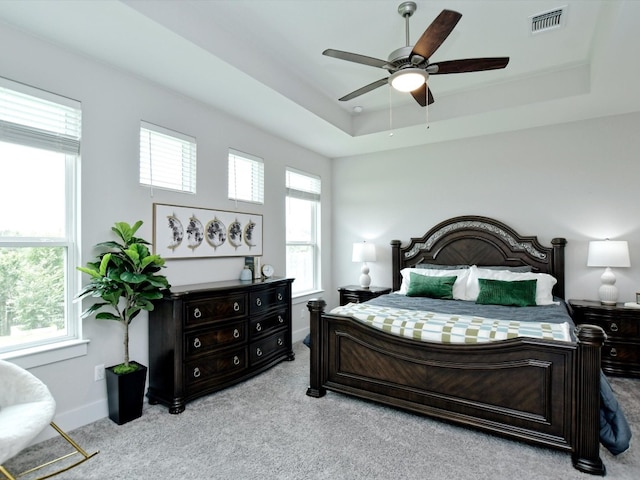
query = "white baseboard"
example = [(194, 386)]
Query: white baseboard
[(73, 419)]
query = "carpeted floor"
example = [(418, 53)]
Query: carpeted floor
[(267, 428)]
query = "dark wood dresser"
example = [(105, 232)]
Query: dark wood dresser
[(621, 350), (206, 337)]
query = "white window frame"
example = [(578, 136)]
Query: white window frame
[(168, 159), (312, 192), (35, 118), (245, 170)]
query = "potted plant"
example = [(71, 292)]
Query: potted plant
[(125, 277)]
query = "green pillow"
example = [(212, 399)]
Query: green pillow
[(433, 287), (518, 293)]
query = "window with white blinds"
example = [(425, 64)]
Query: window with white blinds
[(167, 159), (246, 177), (303, 230), (39, 155), (39, 121)]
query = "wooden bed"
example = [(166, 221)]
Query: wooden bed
[(543, 392)]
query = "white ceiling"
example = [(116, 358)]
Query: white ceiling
[(261, 60)]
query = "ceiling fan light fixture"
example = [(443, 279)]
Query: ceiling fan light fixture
[(408, 79)]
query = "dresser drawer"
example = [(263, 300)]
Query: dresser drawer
[(267, 348), (613, 327), (215, 308), (267, 299), (204, 341), (267, 323), (209, 368)]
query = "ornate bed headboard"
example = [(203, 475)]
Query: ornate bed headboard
[(482, 241)]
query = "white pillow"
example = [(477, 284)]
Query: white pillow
[(459, 286), (544, 284)]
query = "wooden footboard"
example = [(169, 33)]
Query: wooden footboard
[(537, 391)]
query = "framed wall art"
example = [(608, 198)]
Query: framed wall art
[(189, 232)]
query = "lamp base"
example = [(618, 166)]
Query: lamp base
[(608, 292), (365, 279)]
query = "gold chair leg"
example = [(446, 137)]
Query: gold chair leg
[(77, 450), (7, 475)]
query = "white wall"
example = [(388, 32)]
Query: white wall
[(113, 103), (577, 181)]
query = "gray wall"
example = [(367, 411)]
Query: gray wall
[(577, 181), (113, 103)]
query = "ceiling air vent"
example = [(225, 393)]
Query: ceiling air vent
[(545, 21)]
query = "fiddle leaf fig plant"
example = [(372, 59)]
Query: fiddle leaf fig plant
[(125, 277)]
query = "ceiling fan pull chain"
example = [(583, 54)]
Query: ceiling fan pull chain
[(427, 108), (390, 116)]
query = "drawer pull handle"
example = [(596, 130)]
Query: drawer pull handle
[(614, 327), (236, 307), (280, 342), (258, 352), (613, 352), (197, 343), (236, 333), (280, 319), (196, 372), (279, 296), (258, 327), (236, 360), (197, 313), (258, 302)]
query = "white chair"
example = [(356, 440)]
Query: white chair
[(26, 408)]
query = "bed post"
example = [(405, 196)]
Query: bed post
[(586, 453), (558, 264), (316, 308), (396, 263)]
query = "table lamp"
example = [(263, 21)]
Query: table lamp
[(364, 252), (608, 253)]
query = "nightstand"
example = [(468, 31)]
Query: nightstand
[(621, 350), (358, 294)]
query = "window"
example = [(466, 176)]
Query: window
[(167, 159), (246, 177), (303, 231), (39, 153)]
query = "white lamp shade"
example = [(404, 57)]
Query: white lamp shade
[(608, 253), (364, 252), (408, 80)]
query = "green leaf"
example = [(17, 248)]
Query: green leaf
[(105, 263), (132, 277), (107, 316)]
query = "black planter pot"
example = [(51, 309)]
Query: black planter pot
[(125, 393)]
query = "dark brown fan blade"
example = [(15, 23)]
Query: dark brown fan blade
[(421, 94), (467, 65), (436, 33), (354, 57), (365, 89)]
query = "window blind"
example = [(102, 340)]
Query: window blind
[(167, 158), (36, 122), (302, 185), (246, 177)]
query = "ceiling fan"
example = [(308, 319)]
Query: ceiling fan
[(409, 66)]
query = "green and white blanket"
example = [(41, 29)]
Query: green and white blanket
[(449, 328)]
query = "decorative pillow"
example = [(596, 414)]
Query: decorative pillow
[(432, 287), (518, 293), (459, 286), (544, 286)]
